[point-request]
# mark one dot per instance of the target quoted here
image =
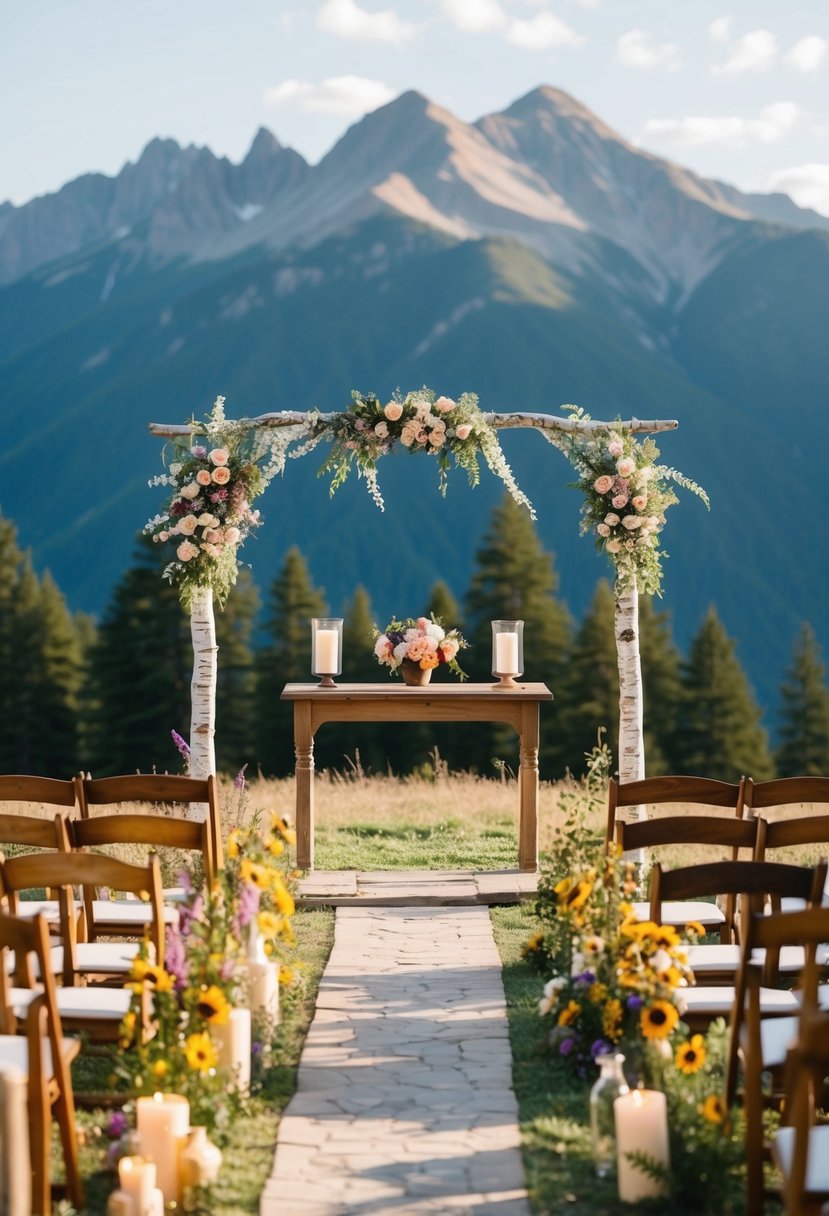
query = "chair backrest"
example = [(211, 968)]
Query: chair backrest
[(15, 787), (68, 870), (785, 791), (28, 939), (689, 829), (652, 791), (807, 1066), (755, 879), (34, 832), (155, 788)]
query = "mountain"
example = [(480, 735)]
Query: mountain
[(534, 257)]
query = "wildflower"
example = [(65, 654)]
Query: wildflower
[(690, 1056), (249, 897), (533, 945), (269, 924), (658, 1019), (253, 872), (599, 1048), (282, 896), (181, 744), (212, 1005), (713, 1109), (200, 1052), (239, 779), (612, 1020), (570, 1014), (233, 845), (566, 1046), (275, 847)]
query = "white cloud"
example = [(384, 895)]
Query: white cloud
[(475, 16), (807, 54), (807, 184), (639, 49), (695, 131), (754, 52), (720, 30), (542, 33), (352, 96), (346, 19)]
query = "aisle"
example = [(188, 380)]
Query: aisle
[(404, 1105)]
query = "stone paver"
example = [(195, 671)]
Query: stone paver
[(415, 888), (404, 1105)]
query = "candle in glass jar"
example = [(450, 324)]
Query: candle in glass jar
[(641, 1127), (163, 1122), (326, 646), (506, 654), (137, 1178)]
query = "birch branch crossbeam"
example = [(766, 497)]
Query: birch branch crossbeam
[(541, 422)]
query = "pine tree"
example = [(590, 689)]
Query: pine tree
[(588, 695), (61, 671), (662, 687), (360, 743), (514, 579), (718, 724), (443, 605), (804, 715), (236, 683), (293, 600)]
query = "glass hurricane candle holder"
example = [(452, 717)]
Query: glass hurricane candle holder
[(507, 652), (326, 649)]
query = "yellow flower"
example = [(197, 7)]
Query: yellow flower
[(200, 1052), (593, 944), (569, 1015), (713, 1109), (281, 825), (212, 1005), (596, 993), (270, 925), (666, 936), (232, 848), (283, 897), (155, 977), (690, 1056), (286, 975), (139, 968), (160, 1069), (253, 872), (612, 1019), (695, 928), (533, 945), (275, 846), (658, 1020), (127, 1029)]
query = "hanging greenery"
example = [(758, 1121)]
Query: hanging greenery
[(419, 421), (626, 494)]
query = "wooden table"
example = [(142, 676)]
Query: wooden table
[(518, 707)]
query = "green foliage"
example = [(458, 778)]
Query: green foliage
[(718, 725), (804, 714), (443, 605), (236, 676)]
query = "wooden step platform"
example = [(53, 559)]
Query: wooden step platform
[(415, 888)]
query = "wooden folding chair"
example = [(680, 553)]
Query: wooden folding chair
[(159, 789), (78, 961), (794, 828), (759, 1041), (44, 1055), (25, 831), (800, 1148), (656, 791), (119, 918)]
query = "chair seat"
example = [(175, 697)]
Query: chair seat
[(49, 908), (817, 1164), (116, 958), (726, 959), (712, 1001), (95, 1003), (127, 913), (681, 911), (14, 1053)]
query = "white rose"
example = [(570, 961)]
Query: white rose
[(626, 466), (653, 521), (611, 518), (435, 631), (603, 530), (407, 438), (381, 430), (191, 490), (632, 521), (613, 546), (187, 525), (400, 651), (232, 535), (206, 520)]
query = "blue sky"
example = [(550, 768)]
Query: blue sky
[(737, 91)]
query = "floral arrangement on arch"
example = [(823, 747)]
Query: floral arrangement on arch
[(419, 421), (214, 478), (626, 494), (421, 641)]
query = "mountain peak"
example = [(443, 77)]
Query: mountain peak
[(546, 99), (263, 146)]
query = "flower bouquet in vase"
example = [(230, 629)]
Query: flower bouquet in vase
[(415, 647)]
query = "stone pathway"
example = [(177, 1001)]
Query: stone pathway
[(404, 1105), (415, 888)]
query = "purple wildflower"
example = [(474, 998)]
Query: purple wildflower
[(566, 1046), (189, 912), (248, 903), (634, 1002), (117, 1124), (226, 970), (586, 977), (255, 1048), (599, 1048), (185, 881), (181, 744), (176, 959), (239, 779)]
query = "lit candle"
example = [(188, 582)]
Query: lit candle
[(163, 1122), (137, 1179), (233, 1042), (263, 989), (326, 652), (506, 654), (120, 1204), (641, 1127)]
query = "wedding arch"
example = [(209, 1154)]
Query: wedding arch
[(220, 466)]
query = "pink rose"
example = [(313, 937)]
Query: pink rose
[(187, 525), (613, 546), (407, 438), (449, 648), (421, 436), (626, 466), (444, 404), (437, 438), (219, 456), (640, 502), (221, 475), (232, 536), (203, 477), (165, 535), (421, 623), (602, 484), (620, 500), (420, 648), (211, 536), (393, 411), (632, 521), (463, 431), (611, 519), (186, 551), (603, 530), (615, 448)]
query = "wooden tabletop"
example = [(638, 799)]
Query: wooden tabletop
[(431, 692)]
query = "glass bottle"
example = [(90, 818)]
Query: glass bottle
[(200, 1160), (610, 1085)]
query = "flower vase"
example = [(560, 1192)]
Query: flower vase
[(610, 1086), (200, 1159), (413, 674)]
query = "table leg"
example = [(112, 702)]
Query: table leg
[(304, 747), (528, 788)]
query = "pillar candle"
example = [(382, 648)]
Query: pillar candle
[(326, 647), (163, 1122), (156, 1207), (137, 1178), (263, 980), (233, 1042), (641, 1127), (506, 654), (120, 1204), (15, 1175)]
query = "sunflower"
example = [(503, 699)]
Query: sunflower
[(275, 846), (281, 825), (255, 873), (695, 928), (533, 945), (283, 897), (713, 1109), (658, 1019), (199, 1052), (269, 924), (666, 937), (690, 1056), (156, 977), (212, 1005), (232, 846), (286, 975), (569, 1015)]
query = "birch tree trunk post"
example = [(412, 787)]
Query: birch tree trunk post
[(631, 736), (203, 689)]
